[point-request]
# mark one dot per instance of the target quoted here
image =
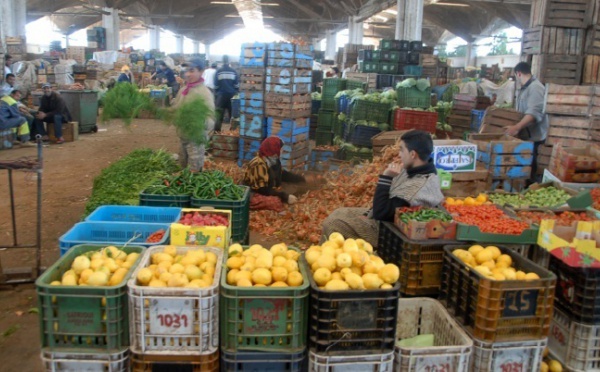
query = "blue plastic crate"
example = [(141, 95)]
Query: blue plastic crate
[(158, 93), (111, 233), (127, 213), (476, 119), (412, 70)]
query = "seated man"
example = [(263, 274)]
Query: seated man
[(413, 183), (11, 111), (53, 109)]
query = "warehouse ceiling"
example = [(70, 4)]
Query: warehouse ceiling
[(208, 20)]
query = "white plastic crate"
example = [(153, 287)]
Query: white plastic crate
[(350, 363), (167, 321), (522, 356), (453, 347), (575, 345), (73, 362)]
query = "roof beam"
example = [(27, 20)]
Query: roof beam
[(373, 7), (308, 11)]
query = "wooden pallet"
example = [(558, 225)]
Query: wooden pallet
[(557, 69), (560, 13), (553, 40), (570, 100), (591, 70)]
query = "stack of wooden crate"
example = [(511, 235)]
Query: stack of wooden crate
[(462, 107), (591, 62), (16, 47), (554, 43)]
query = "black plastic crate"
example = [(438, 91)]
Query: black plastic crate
[(404, 46), (365, 55), (352, 322), (414, 58), (420, 261), (416, 46), (257, 361), (577, 291), (315, 106), (152, 200), (402, 57), (360, 135)]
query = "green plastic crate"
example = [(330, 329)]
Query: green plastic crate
[(338, 128), (370, 111), (355, 84), (368, 66), (264, 318), (326, 118), (327, 104), (323, 138), (390, 68), (151, 200), (413, 97), (333, 85), (84, 319), (240, 213)]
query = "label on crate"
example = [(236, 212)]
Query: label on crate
[(520, 303), (357, 314), (454, 155), (170, 316), (77, 315), (512, 360), (441, 363), (266, 316)]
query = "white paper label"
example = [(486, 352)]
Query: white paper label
[(434, 364), (171, 316)]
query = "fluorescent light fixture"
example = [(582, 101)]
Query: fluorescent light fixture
[(231, 3), (391, 11), (381, 17), (452, 4), (233, 16)]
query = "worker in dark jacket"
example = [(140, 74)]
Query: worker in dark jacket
[(226, 86), (53, 109)]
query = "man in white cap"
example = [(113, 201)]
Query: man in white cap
[(53, 110)]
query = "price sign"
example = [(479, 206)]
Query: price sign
[(434, 364), (171, 317), (520, 303)]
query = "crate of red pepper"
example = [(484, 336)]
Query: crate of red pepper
[(564, 218), (420, 223), (490, 224), (205, 227)]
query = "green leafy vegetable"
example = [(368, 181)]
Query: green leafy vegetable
[(190, 120), (125, 101)]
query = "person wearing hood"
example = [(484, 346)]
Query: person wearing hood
[(53, 110), (412, 183), (264, 174), (193, 153), (126, 75)]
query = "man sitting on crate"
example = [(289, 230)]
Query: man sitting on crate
[(13, 110), (412, 183), (53, 110)]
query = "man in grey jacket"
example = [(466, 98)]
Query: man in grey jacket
[(530, 101)]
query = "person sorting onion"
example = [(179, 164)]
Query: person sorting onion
[(413, 183)]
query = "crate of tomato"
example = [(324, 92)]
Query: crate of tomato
[(204, 226), (425, 223)]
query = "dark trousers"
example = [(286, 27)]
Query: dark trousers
[(38, 126), (534, 166), (223, 103)]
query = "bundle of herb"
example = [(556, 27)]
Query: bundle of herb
[(190, 120), (125, 101)]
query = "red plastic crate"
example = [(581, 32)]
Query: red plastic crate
[(411, 119)]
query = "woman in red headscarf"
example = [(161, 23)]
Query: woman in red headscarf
[(264, 174)]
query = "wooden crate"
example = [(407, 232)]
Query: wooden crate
[(576, 164), (570, 100), (557, 69), (568, 130), (560, 13), (460, 124), (465, 102), (592, 40), (553, 40), (468, 183), (595, 129), (496, 119), (369, 78), (70, 131), (591, 70), (252, 79), (384, 139)]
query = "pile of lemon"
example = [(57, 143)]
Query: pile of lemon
[(468, 201), (261, 267), (491, 263), (343, 264)]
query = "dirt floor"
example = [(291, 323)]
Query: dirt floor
[(68, 174)]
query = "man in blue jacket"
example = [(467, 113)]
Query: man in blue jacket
[(226, 86)]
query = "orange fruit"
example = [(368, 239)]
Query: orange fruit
[(469, 201), (450, 201), (459, 202), (482, 198)]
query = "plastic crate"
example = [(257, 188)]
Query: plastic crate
[(111, 233), (575, 345), (151, 200), (507, 356), (361, 135), (342, 105), (541, 257), (240, 213), (7, 137), (180, 363), (370, 111), (498, 311), (76, 362), (328, 104), (323, 138), (255, 362), (453, 347), (83, 319), (476, 119), (315, 106), (412, 70), (352, 322), (355, 84), (338, 128), (359, 363), (281, 325), (326, 119), (577, 290), (419, 120), (420, 262), (126, 213), (179, 321), (333, 85), (413, 97)]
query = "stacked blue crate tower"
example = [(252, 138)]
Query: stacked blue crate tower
[(252, 100), (288, 101)]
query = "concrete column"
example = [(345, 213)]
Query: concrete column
[(207, 51), (400, 5), (12, 18), (195, 46), (112, 24), (330, 45), (413, 19), (179, 44), (469, 56), (355, 30), (316, 43), (154, 34)]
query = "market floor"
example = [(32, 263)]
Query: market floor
[(69, 171)]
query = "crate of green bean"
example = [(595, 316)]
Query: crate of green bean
[(425, 223), (548, 195)]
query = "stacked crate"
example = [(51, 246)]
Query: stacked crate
[(434, 69), (370, 79), (568, 109), (391, 58), (350, 54), (595, 115), (576, 164), (288, 101), (461, 118), (554, 43), (327, 115), (507, 159), (16, 47), (509, 321), (253, 60)]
